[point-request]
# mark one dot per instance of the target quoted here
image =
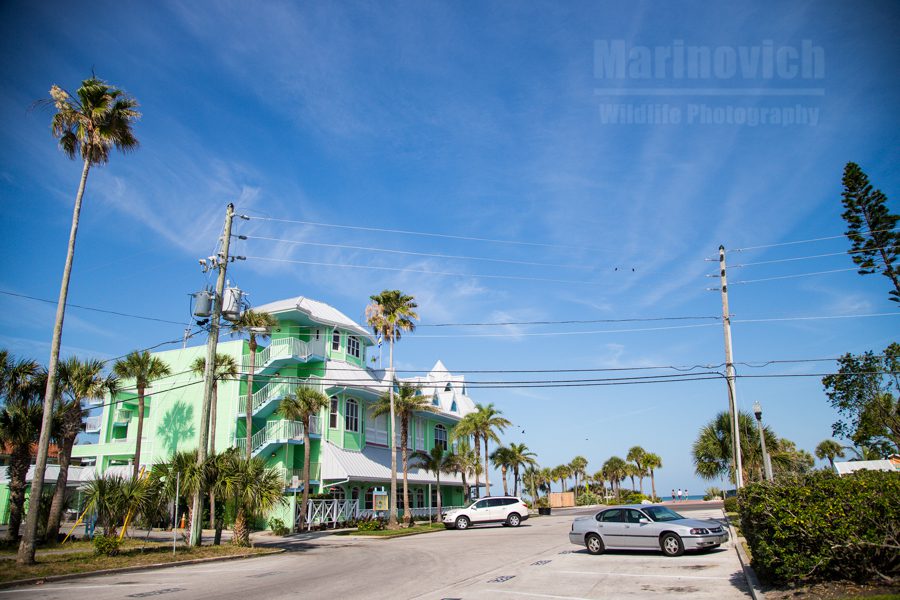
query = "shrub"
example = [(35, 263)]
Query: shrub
[(712, 493), (106, 545), (370, 524), (588, 498), (542, 502), (632, 497), (820, 527), (278, 527), (731, 504)]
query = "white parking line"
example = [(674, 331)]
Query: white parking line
[(46, 588), (645, 576), (541, 595)]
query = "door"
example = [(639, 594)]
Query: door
[(480, 512), (611, 525), (639, 535)]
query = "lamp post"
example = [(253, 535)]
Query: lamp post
[(767, 464)]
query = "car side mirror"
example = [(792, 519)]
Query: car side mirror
[(643, 520)]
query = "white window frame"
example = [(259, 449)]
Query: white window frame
[(333, 415), (437, 439), (376, 428), (420, 433), (353, 346), (351, 415)]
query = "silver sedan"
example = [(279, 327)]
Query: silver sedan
[(645, 527)]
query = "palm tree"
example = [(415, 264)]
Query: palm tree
[(254, 488), (489, 422), (115, 498), (501, 458), (599, 478), (258, 325), (391, 313), (651, 462), (563, 472), (520, 457), (225, 366), (143, 368), (467, 426), (306, 403), (465, 461), (636, 455), (712, 450), (20, 423), (78, 381), (180, 478), (90, 123), (578, 465), (408, 401), (615, 470), (546, 477), (437, 461), (829, 449)]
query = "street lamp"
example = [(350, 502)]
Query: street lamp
[(767, 463)]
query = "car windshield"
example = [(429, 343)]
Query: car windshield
[(661, 513)]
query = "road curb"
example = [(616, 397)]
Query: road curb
[(749, 574), (182, 563)]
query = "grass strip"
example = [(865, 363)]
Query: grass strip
[(404, 531)]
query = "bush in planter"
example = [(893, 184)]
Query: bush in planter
[(542, 502), (821, 527)]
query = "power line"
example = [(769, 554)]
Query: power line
[(411, 253), (425, 271), (791, 276), (783, 260), (100, 310), (569, 322), (420, 233), (831, 237)]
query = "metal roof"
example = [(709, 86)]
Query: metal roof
[(847, 467), (372, 464), (318, 312)]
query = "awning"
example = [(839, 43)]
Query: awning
[(372, 464)]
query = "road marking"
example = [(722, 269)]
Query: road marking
[(156, 592), (501, 579), (645, 576), (45, 588), (540, 563), (542, 595)]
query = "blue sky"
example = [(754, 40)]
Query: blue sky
[(478, 120)]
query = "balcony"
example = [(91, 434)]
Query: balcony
[(285, 350), (293, 478), (266, 399), (92, 424), (276, 433), (121, 417)]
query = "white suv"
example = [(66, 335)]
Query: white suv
[(508, 510)]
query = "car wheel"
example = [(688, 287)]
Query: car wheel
[(513, 520), (594, 544), (462, 523), (671, 544)]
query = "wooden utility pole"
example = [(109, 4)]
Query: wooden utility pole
[(209, 373), (729, 375)]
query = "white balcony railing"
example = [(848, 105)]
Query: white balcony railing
[(285, 348), (122, 417), (279, 389), (276, 431), (92, 424)]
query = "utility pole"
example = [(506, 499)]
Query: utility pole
[(729, 375), (209, 373)]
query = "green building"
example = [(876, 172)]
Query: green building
[(316, 345)]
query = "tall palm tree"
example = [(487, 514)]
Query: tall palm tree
[(578, 465), (254, 488), (259, 326), (489, 422), (465, 461), (91, 122), (468, 426), (78, 381), (652, 462), (636, 455), (303, 405), (615, 470), (563, 472), (437, 461), (520, 457), (829, 449), (226, 367), (143, 368), (599, 478), (20, 423), (390, 314), (408, 401), (501, 458)]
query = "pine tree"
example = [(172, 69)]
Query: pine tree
[(871, 228)]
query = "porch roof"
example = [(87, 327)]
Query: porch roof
[(372, 464)]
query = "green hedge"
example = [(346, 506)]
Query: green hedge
[(821, 527)]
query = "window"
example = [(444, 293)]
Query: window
[(481, 504), (336, 340), (448, 387), (370, 502), (317, 334), (453, 407), (440, 436), (435, 401), (353, 346), (351, 416), (420, 433), (612, 516), (337, 493), (420, 498), (376, 428), (354, 495), (333, 417), (434, 496)]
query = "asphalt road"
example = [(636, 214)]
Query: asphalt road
[(535, 560)]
